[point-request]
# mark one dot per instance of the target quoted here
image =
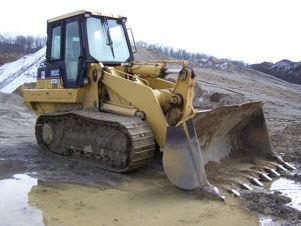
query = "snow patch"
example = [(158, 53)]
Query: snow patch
[(24, 70)]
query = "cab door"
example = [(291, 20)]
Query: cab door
[(72, 54)]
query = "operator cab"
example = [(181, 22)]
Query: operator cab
[(76, 39)]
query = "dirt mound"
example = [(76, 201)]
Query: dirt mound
[(288, 140), (30, 85), (14, 115), (284, 69), (205, 99), (144, 54), (272, 204), (8, 98)]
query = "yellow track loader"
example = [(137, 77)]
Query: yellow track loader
[(95, 102)]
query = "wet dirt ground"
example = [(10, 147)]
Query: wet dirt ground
[(132, 203), (282, 111), (39, 188), (46, 189)]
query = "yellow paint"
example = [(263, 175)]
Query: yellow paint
[(121, 89), (124, 90), (185, 87), (142, 97), (79, 12)]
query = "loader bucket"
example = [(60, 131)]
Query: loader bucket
[(231, 131), (182, 157), (183, 161), (211, 136)]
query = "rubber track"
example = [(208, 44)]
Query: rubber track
[(142, 144)]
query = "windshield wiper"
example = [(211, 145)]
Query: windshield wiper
[(109, 41)]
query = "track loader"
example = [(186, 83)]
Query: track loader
[(93, 101)]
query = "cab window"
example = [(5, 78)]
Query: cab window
[(72, 50), (56, 43)]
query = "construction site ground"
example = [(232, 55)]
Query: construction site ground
[(38, 188)]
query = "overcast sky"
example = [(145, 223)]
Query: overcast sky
[(248, 30)]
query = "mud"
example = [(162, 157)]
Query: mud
[(272, 204), (289, 188), (67, 191), (289, 141), (206, 99), (70, 192), (132, 203)]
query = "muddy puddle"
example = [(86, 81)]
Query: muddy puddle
[(278, 204), (28, 201), (14, 205), (290, 189), (132, 203)]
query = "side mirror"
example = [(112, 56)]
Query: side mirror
[(132, 40)]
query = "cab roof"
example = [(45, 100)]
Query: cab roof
[(79, 12)]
